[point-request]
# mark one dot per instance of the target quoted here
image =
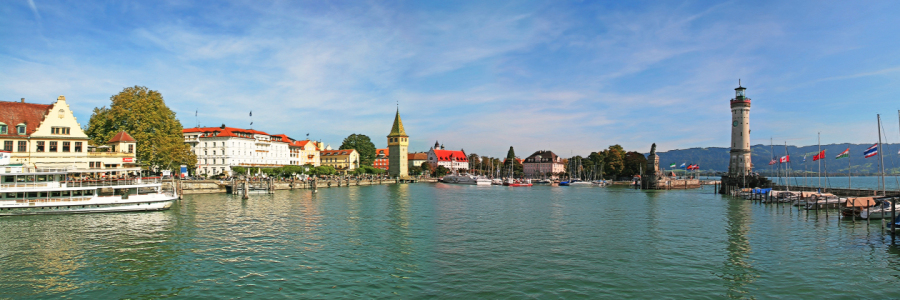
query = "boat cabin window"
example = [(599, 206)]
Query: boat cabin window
[(55, 194), (32, 194), (9, 179)]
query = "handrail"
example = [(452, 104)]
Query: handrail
[(83, 183)]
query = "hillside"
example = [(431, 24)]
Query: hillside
[(716, 158)]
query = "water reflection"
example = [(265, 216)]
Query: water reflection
[(42, 255), (737, 271), (400, 247)]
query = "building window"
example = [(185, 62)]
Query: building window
[(60, 130), (53, 147), (7, 145), (23, 146), (130, 148), (3, 128), (40, 146), (20, 129), (77, 146), (66, 146)]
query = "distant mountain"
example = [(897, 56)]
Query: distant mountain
[(716, 158)]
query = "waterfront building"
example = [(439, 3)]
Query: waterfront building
[(450, 159), (542, 162), (398, 143), (218, 149), (739, 163), (382, 161), (47, 136), (342, 160), (416, 159)]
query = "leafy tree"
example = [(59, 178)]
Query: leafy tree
[(238, 171), (324, 170), (441, 171), (510, 156), (414, 170), (144, 115), (633, 163), (614, 161), (363, 146), (426, 168)]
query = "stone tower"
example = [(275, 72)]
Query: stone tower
[(740, 134), (398, 143)]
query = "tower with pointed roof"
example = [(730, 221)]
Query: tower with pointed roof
[(398, 145)]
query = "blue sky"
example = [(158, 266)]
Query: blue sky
[(568, 76)]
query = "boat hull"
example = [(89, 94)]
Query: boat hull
[(84, 207)]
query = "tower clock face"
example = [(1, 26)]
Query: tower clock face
[(734, 123)]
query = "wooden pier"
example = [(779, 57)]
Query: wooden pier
[(842, 192)]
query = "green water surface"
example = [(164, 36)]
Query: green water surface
[(450, 241)]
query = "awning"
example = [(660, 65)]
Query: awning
[(860, 201)]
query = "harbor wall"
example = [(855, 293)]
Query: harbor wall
[(187, 187)]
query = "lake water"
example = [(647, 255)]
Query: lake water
[(450, 241)]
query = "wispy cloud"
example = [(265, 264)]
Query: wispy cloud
[(481, 76)]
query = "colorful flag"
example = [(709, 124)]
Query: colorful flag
[(846, 153), (784, 159), (804, 158), (672, 165), (683, 165), (819, 156), (773, 161), (693, 167), (872, 151)]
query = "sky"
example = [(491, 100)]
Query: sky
[(568, 76)]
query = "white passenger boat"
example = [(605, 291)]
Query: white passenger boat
[(466, 179), (25, 191)]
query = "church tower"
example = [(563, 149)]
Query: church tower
[(398, 143), (740, 134)]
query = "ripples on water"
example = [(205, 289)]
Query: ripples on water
[(448, 241)]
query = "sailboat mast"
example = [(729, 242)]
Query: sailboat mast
[(881, 155)]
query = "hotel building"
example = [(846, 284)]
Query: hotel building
[(220, 148)]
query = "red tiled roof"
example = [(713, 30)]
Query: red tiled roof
[(15, 113), (418, 156), (226, 132), (122, 136), (336, 152), (447, 155), (383, 151), (303, 143)]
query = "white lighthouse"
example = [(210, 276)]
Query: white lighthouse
[(740, 133)]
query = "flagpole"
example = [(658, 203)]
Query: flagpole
[(820, 163), (881, 155), (849, 170)]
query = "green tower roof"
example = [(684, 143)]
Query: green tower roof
[(397, 129)]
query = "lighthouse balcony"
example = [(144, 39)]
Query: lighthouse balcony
[(740, 101)]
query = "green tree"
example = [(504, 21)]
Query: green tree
[(614, 162), (633, 163), (426, 168), (363, 146), (510, 156), (143, 114), (324, 170), (441, 171)]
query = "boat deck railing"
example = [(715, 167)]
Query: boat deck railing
[(82, 183)]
